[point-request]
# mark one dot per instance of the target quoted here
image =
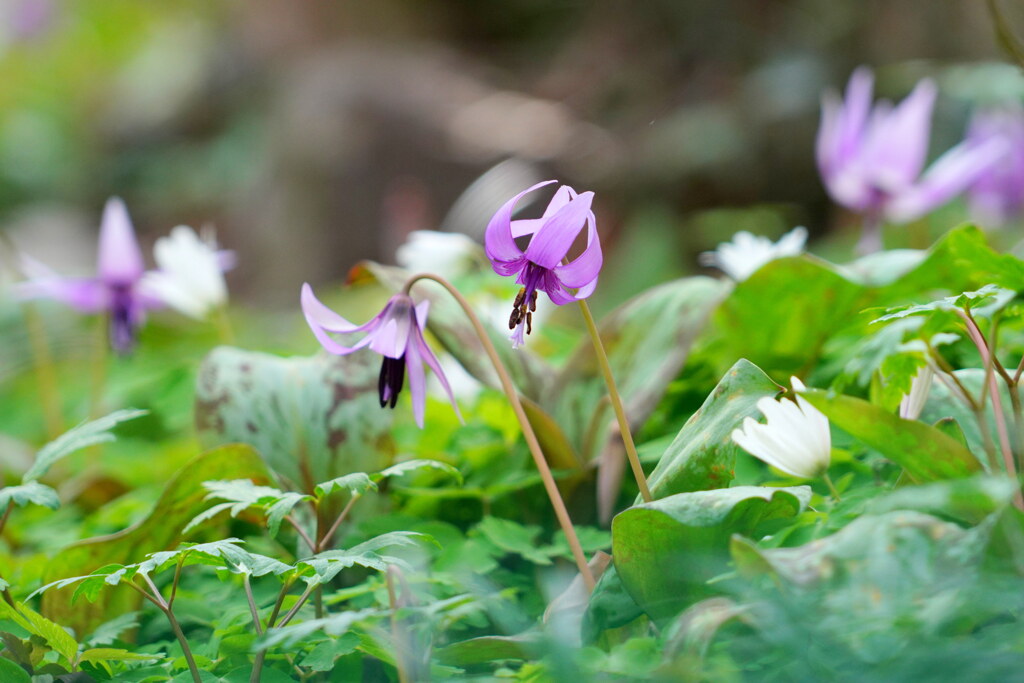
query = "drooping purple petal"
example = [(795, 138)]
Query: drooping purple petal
[(417, 383), (947, 177), (551, 243), (85, 295), (896, 145), (322, 320), (120, 258), (584, 269), (498, 240)]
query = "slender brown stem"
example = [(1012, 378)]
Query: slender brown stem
[(297, 606), (6, 514), (616, 399), (564, 521), (325, 541), (174, 582), (302, 532), (257, 662)]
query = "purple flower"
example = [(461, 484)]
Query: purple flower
[(542, 266), (116, 288), (871, 158), (396, 333), (997, 195)]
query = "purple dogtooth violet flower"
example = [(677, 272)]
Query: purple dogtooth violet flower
[(871, 158), (543, 266), (396, 333), (116, 288), (997, 194)]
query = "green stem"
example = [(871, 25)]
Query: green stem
[(252, 605), (46, 372), (159, 601), (616, 399), (831, 487), (98, 376), (396, 634), (326, 539), (564, 521)]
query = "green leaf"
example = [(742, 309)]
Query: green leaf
[(12, 673), (942, 404), (56, 637), (334, 625), (356, 483), (513, 537), (112, 654), (29, 492), (487, 649), (312, 419), (323, 567), (925, 452), (781, 316), (403, 468), (181, 500), (653, 542), (968, 500), (323, 656), (983, 302), (647, 340), (84, 435), (244, 494), (611, 606), (703, 455)]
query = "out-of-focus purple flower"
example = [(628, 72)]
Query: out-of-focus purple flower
[(871, 158), (997, 195), (396, 333), (116, 287), (541, 267)]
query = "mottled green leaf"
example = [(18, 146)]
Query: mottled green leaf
[(702, 456), (311, 419), (665, 551)]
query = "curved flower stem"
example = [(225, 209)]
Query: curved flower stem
[(616, 399), (531, 438), (871, 234), (98, 378), (974, 332)]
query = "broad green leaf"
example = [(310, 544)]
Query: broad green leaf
[(780, 317), (84, 435), (311, 419), (56, 637), (181, 500), (702, 456), (665, 551), (647, 340), (969, 500), (925, 452), (12, 673), (513, 537), (29, 492), (485, 649), (874, 586), (323, 656), (611, 606), (942, 404)]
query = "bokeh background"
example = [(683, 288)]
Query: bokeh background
[(314, 134)]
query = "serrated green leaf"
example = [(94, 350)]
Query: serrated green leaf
[(323, 567), (56, 637), (983, 302), (513, 537), (29, 492), (413, 465), (244, 494), (112, 654), (356, 483), (334, 625), (84, 435)]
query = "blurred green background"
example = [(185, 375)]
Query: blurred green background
[(314, 134)]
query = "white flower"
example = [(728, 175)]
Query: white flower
[(741, 257), (447, 254), (190, 278), (913, 403), (795, 438)]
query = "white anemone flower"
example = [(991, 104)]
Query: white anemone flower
[(746, 253), (448, 254), (190, 278), (795, 438), (913, 403)]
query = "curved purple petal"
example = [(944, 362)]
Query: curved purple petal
[(528, 226), (551, 243), (423, 350), (584, 268), (947, 177), (322, 320), (120, 258), (498, 240), (417, 383), (86, 295), (897, 142)]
